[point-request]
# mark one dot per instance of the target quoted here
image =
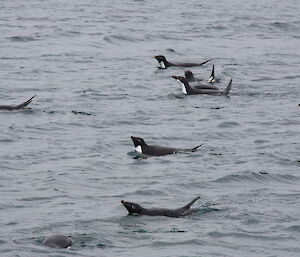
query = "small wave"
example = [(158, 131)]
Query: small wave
[(85, 240), (294, 228), (11, 206), (261, 141), (13, 58), (180, 96), (216, 108), (281, 25), (6, 140), (11, 223), (35, 198), (202, 211), (228, 124), (251, 221), (73, 32), (116, 38), (81, 113), (22, 38), (170, 50), (261, 236), (247, 18), (264, 79), (183, 242), (291, 77), (219, 27), (258, 177), (176, 230), (28, 240), (145, 192)]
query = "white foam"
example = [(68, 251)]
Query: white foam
[(162, 65), (139, 149)]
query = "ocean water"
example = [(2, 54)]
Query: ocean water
[(66, 164)]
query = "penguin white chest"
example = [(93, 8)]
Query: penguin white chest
[(162, 65), (183, 89), (211, 79), (139, 149)]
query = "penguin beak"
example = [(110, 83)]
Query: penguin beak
[(127, 207)]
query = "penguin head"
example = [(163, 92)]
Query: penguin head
[(162, 61), (188, 75), (160, 58), (132, 207), (137, 141), (183, 82)]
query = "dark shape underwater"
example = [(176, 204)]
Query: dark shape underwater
[(58, 241)]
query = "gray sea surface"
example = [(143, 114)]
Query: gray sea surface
[(66, 164)]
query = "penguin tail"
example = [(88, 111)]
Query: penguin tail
[(195, 148), (227, 90), (22, 105), (191, 203), (212, 75), (205, 62)]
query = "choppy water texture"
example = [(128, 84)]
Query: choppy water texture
[(67, 163)]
